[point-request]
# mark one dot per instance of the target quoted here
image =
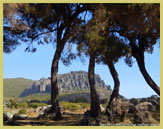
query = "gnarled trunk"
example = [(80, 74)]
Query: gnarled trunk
[(140, 60), (54, 73), (115, 93), (114, 74), (95, 103)]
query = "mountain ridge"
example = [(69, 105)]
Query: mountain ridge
[(68, 82), (13, 87)]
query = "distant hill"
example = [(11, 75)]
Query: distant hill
[(13, 87), (70, 82)]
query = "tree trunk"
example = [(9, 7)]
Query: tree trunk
[(138, 54), (95, 103), (54, 73), (148, 79), (115, 92)]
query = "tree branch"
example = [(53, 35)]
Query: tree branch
[(43, 33)]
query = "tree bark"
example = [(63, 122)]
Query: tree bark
[(54, 74), (95, 103), (115, 92), (140, 60)]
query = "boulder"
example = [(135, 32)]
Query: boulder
[(155, 103), (102, 108), (7, 116), (10, 116), (151, 108), (37, 110), (131, 108), (141, 117)]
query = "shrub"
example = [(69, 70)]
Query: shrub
[(24, 105), (84, 105), (22, 111), (36, 105), (70, 106), (12, 104), (34, 101)]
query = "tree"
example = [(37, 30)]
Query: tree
[(114, 48), (88, 41), (141, 29), (104, 47), (44, 23), (95, 40)]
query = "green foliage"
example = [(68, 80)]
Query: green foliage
[(24, 105), (12, 104), (36, 105), (73, 106), (23, 111), (15, 86), (84, 105)]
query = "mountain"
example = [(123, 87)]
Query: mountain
[(70, 82), (13, 87)]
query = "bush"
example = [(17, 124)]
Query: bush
[(70, 106), (36, 105), (34, 101), (22, 111), (84, 105), (12, 104), (24, 105)]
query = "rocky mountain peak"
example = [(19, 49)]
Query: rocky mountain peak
[(69, 82)]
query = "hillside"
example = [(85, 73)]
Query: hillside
[(70, 82), (13, 87)]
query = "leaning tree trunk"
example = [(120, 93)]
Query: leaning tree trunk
[(54, 73), (140, 60), (115, 93), (114, 74), (95, 103)]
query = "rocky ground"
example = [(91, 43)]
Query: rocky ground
[(68, 119), (143, 111)]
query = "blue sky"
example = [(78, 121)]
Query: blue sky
[(37, 65)]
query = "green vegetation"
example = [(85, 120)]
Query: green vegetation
[(15, 86), (12, 104), (24, 105), (46, 96), (15, 104), (36, 105), (74, 106), (38, 96), (22, 111)]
